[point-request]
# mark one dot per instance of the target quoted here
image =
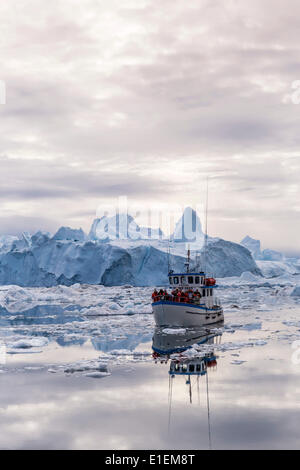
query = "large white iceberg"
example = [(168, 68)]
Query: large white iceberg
[(118, 251), (270, 262), (48, 262), (254, 246)]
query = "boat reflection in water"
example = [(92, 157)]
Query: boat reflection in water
[(176, 347)]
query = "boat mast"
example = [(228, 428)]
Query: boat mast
[(208, 412), (190, 389), (188, 258), (170, 402), (205, 235)]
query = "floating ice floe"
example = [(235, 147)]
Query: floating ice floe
[(126, 352), (240, 344), (247, 326), (201, 350), (97, 375), (101, 316), (87, 366), (174, 331), (25, 343), (33, 368)]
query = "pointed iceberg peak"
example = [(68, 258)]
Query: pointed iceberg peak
[(254, 246), (188, 228)]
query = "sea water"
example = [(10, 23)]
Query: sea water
[(78, 371)]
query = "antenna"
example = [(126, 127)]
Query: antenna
[(206, 218), (190, 390), (170, 402), (198, 390), (198, 260), (208, 413), (168, 256), (187, 263)]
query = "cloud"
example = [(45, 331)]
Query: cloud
[(105, 99)]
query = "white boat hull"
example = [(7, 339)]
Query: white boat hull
[(168, 313)]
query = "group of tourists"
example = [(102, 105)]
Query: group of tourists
[(177, 295)]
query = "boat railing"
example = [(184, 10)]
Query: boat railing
[(183, 298), (175, 298)]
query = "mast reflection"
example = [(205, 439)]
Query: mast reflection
[(190, 353)]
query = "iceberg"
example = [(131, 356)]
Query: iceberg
[(271, 263), (118, 252), (6, 242), (67, 233), (49, 262), (272, 269), (272, 255), (253, 246)]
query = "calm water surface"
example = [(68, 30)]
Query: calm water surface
[(247, 396)]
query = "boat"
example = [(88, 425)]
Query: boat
[(192, 302), (168, 341), (172, 348)]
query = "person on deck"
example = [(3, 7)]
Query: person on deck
[(167, 295), (197, 294), (154, 295), (174, 291), (160, 294)]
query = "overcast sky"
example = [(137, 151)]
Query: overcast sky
[(146, 99)]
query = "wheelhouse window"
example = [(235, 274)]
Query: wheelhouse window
[(176, 280), (197, 280), (190, 280), (182, 279), (171, 280)]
